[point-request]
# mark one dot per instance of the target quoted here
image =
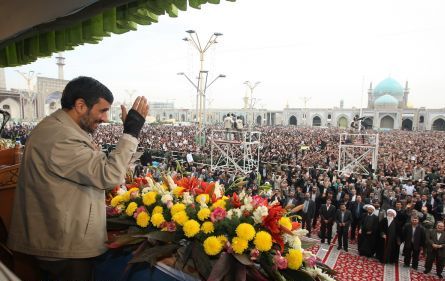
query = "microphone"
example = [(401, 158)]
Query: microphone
[(4, 112)]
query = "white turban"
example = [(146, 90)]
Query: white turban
[(369, 206), (391, 211)]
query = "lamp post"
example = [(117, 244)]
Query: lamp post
[(252, 86), (201, 88), (30, 95)]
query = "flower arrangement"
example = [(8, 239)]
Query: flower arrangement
[(220, 235)]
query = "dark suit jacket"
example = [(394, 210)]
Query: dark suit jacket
[(418, 206), (310, 209), (419, 236), (347, 219), (326, 214), (353, 209), (431, 238)]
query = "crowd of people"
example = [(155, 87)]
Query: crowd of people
[(400, 202)]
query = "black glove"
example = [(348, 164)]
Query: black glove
[(133, 123)]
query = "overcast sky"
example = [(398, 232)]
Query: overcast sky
[(323, 49)]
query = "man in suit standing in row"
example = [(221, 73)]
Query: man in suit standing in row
[(343, 219), (357, 214), (414, 238), (308, 212), (435, 242), (327, 216)]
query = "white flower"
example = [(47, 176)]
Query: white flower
[(171, 183), (234, 212), (150, 182), (218, 191), (121, 191), (242, 195), (300, 232), (187, 198), (166, 197), (259, 213), (145, 190)]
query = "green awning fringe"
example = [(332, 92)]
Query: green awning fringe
[(67, 33)]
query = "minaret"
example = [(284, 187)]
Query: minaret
[(60, 63), (2, 79), (342, 104), (370, 98), (405, 95), (246, 101)]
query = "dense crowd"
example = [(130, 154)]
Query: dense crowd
[(402, 201)]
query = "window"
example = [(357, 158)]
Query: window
[(421, 119), (6, 107), (329, 116)]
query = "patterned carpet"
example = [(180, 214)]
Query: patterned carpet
[(350, 266)]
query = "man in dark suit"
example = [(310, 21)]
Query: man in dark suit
[(423, 203), (308, 212), (357, 214), (414, 237), (343, 219), (327, 216), (435, 241)]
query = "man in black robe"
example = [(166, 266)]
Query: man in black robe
[(388, 243), (368, 233)]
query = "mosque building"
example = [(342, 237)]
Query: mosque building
[(387, 108)]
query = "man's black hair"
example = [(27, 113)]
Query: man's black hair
[(86, 88)]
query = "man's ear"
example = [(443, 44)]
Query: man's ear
[(80, 106)]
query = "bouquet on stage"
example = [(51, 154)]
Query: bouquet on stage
[(212, 235)]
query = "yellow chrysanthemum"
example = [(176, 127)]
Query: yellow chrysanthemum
[(285, 222), (263, 241), (202, 198), (178, 207), (245, 231), (223, 239), (191, 228), (207, 227), (149, 198), (204, 214), (212, 246), (180, 217), (143, 219), (126, 195), (116, 200), (219, 203), (294, 259), (239, 245), (157, 210), (131, 208), (177, 191), (164, 186), (157, 219)]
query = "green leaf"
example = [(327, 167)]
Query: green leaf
[(296, 275), (243, 259), (267, 265), (152, 254), (163, 236), (201, 260), (123, 240), (220, 268)]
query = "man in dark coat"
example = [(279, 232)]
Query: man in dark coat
[(308, 212), (343, 219), (414, 237), (327, 216), (357, 214), (368, 233), (435, 241), (388, 243)]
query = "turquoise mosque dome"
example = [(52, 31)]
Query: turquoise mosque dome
[(386, 100), (389, 86)]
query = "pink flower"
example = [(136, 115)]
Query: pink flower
[(218, 214), (310, 261), (280, 261), (254, 254), (138, 210), (134, 195), (169, 204), (170, 226)]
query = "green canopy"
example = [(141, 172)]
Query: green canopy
[(88, 24)]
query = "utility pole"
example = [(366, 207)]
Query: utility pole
[(29, 96), (202, 86), (252, 86)]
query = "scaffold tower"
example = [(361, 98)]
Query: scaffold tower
[(358, 153), (235, 150)]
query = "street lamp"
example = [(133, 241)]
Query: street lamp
[(30, 95), (193, 39), (251, 86)]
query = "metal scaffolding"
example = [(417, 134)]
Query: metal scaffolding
[(235, 150), (356, 152)]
